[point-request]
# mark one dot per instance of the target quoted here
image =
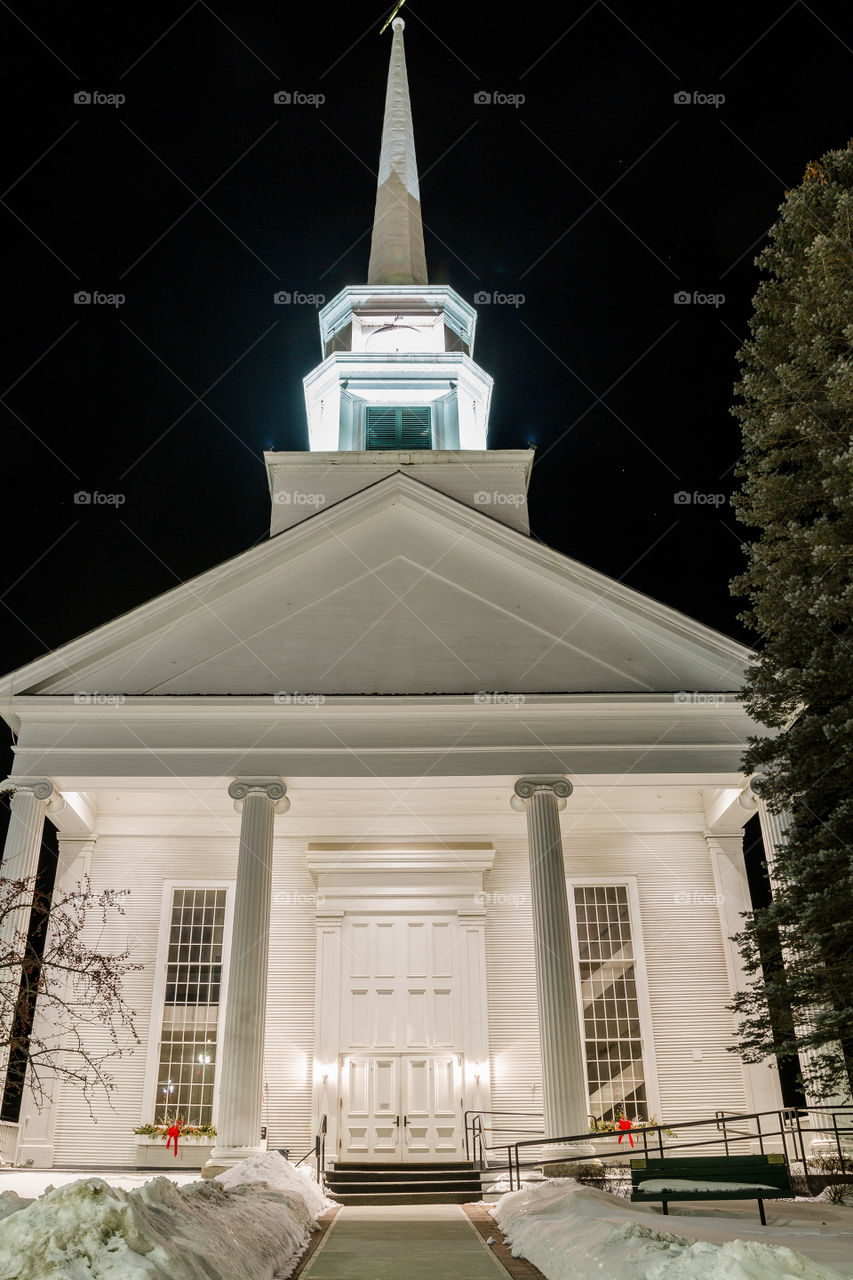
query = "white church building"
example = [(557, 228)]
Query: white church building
[(417, 815)]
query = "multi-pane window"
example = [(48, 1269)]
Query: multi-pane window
[(191, 1009), (611, 1010), (398, 428)]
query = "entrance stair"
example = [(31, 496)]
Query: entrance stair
[(355, 1183)]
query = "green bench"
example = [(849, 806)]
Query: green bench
[(711, 1178)]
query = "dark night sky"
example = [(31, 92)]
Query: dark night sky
[(199, 198)]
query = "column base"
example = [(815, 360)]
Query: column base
[(562, 1160), (35, 1155), (222, 1158)]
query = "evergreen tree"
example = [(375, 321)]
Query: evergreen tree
[(796, 473)]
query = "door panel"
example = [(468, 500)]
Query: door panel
[(432, 1107), (401, 984), (370, 1108)]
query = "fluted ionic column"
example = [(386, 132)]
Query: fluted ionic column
[(40, 1103), (241, 1051), (28, 807), (563, 1083)]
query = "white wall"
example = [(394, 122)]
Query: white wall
[(688, 988)]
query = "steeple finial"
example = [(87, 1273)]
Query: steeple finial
[(397, 246)]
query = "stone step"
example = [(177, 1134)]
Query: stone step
[(403, 1197), (403, 1185), (425, 1166), (402, 1175), (355, 1182)]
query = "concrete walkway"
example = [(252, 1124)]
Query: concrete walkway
[(388, 1242)]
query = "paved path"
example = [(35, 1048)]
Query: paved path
[(417, 1242)]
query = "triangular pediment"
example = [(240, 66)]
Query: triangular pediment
[(398, 589)]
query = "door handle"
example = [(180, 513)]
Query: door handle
[(405, 1121)]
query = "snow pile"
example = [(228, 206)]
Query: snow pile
[(572, 1232), (11, 1202), (839, 1193), (281, 1175), (156, 1232)]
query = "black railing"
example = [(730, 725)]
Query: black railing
[(483, 1127), (786, 1130), (318, 1151)]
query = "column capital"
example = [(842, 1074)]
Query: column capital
[(525, 788), (42, 788), (274, 788), (748, 799)]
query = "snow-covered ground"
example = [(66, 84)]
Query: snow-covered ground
[(251, 1223), (572, 1232)]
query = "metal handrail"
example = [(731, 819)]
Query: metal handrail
[(475, 1130), (790, 1124), (318, 1150)]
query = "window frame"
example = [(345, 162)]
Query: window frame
[(158, 993), (647, 1043)]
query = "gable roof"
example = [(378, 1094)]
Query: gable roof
[(398, 589)]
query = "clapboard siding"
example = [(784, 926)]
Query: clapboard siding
[(685, 966), (515, 1069), (146, 864)]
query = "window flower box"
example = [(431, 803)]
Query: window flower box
[(151, 1152)]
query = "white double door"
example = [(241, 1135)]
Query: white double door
[(401, 1067), (402, 1107)]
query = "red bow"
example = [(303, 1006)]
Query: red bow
[(625, 1125), (174, 1132)]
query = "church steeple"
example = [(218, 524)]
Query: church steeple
[(398, 389), (397, 245)]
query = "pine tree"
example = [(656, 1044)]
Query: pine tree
[(796, 473)]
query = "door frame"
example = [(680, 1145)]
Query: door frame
[(399, 880)]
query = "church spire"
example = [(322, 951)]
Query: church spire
[(397, 245)]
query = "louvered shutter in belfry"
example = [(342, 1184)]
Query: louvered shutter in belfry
[(398, 428), (414, 429), (382, 428)]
